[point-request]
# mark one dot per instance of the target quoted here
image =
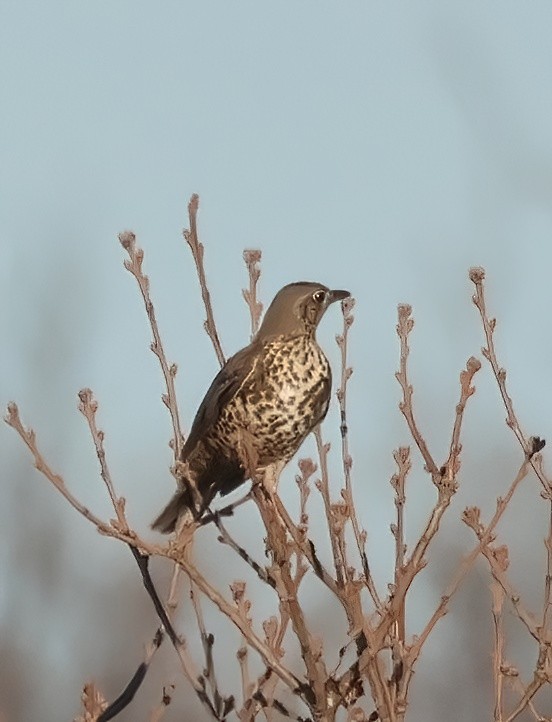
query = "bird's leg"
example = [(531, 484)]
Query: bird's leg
[(271, 476), (228, 510)]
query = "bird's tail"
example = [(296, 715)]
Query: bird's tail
[(177, 506)]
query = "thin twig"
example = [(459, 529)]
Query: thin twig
[(166, 698), (531, 445), (414, 565), (275, 631), (526, 698), (306, 547), (220, 702), (140, 548), (127, 695), (88, 407), (247, 711), (445, 480), (226, 538), (287, 589), (323, 485), (260, 695), (28, 436), (230, 612), (93, 702), (173, 552), (404, 327), (197, 250), (307, 469), (497, 609), (347, 306), (134, 266), (477, 276), (398, 482), (252, 258), (497, 558), (484, 537), (547, 605), (529, 692)]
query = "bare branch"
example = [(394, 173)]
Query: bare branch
[(88, 407), (126, 697), (287, 588), (377, 658), (498, 562), (347, 306), (93, 703), (226, 538), (197, 250), (134, 266), (547, 605), (305, 546), (28, 436), (233, 615), (166, 698), (323, 485), (252, 258), (140, 548), (498, 652), (398, 482), (404, 327), (531, 445), (452, 465), (527, 694), (485, 535), (220, 703)]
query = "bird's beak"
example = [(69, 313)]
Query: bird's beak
[(337, 296)]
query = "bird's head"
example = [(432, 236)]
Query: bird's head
[(298, 308)]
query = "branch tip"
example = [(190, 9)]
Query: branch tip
[(127, 239), (477, 274)]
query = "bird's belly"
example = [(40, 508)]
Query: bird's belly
[(283, 419), (277, 406)]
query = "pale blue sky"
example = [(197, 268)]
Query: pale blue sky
[(380, 147)]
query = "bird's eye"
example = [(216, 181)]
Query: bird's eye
[(319, 296)]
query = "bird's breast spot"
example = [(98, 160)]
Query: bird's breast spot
[(287, 394)]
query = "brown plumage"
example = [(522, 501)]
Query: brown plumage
[(266, 398)]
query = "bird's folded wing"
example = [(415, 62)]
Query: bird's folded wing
[(225, 385)]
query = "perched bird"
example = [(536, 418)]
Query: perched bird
[(267, 398)]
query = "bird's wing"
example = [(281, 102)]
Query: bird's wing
[(225, 384)]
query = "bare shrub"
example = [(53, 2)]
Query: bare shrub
[(378, 658)]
